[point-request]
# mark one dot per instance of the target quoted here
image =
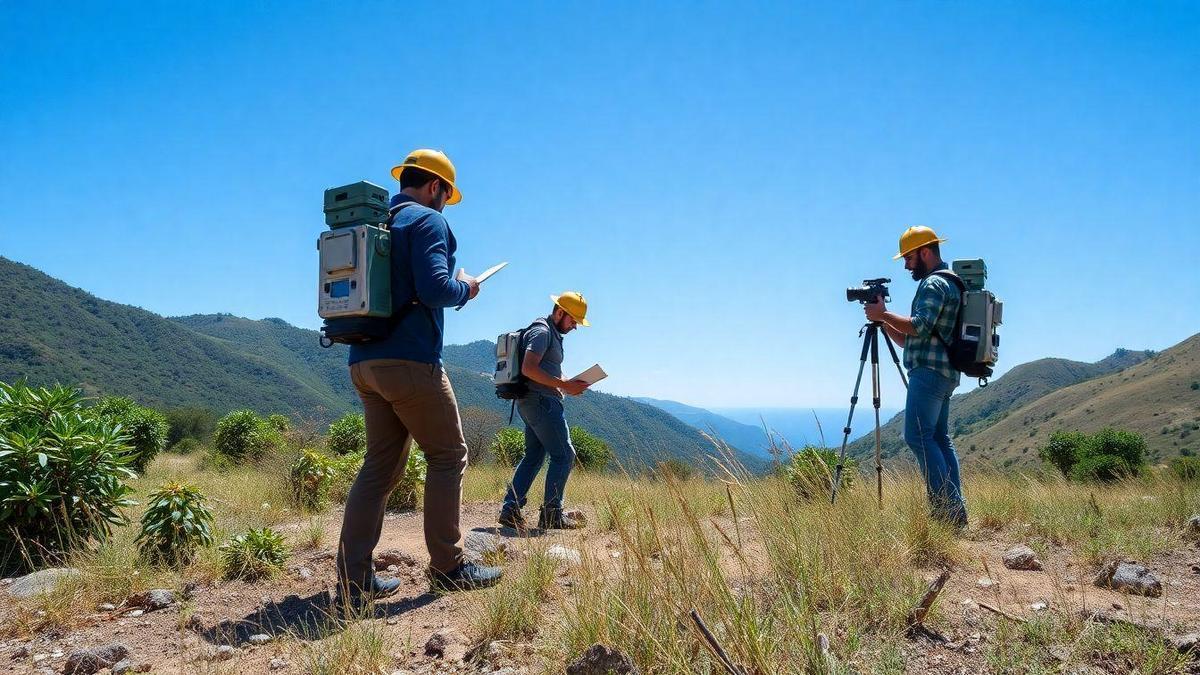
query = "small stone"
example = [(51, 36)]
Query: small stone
[(41, 581), (391, 621), (602, 660), (385, 559), (88, 661), (1193, 525), (129, 666), (966, 601), (107, 607), (222, 653), (136, 612), (576, 515), (259, 639), (21, 652), (985, 582), (560, 552), (37, 658), (1022, 558), (158, 598), (1117, 605), (321, 556), (278, 664), (194, 623), (1038, 606), (393, 568), (447, 644), (1187, 644), (1128, 577), (304, 573), (485, 546)]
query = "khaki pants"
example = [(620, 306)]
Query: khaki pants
[(404, 401)]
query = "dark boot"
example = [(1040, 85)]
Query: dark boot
[(511, 516), (466, 577), (552, 518)]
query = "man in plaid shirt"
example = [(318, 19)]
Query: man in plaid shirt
[(931, 378)]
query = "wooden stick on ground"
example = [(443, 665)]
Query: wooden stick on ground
[(710, 641), (917, 615), (1002, 613)]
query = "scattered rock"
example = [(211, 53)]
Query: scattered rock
[(985, 582), (304, 573), (88, 661), (1129, 578), (194, 623), (509, 670), (21, 652), (1193, 525), (601, 660), (222, 653), (484, 545), (189, 589), (561, 552), (136, 612), (129, 666), (1187, 644), (322, 556), (41, 581), (576, 515), (1038, 606), (106, 607), (158, 598), (393, 557), (278, 663), (448, 644), (259, 639), (1022, 558)]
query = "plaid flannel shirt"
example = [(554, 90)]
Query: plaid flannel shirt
[(934, 307)]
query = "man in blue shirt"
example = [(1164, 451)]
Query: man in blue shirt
[(546, 431), (931, 377), (406, 395)]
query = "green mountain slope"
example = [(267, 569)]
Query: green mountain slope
[(982, 407), (56, 333), (741, 436)]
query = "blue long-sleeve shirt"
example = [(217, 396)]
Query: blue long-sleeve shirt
[(422, 268)]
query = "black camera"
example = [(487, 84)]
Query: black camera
[(871, 289)]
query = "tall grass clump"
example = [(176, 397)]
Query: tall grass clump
[(811, 470), (62, 474), (254, 554), (175, 524), (513, 610)]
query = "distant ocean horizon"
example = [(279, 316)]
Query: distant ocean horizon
[(810, 426)]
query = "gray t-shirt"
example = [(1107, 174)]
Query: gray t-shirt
[(543, 338)]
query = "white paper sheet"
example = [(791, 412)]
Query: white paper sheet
[(462, 274)]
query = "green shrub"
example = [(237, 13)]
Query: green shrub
[(1101, 468), (243, 435), (279, 423), (411, 488), (345, 470), (146, 428), (348, 435), (508, 447), (189, 423), (1126, 445), (186, 446), (62, 469), (1063, 450), (811, 469), (1186, 468), (254, 554), (175, 524), (591, 453), (310, 478)]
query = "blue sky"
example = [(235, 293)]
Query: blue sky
[(711, 175)]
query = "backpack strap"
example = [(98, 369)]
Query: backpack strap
[(962, 288)]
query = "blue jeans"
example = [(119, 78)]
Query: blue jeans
[(926, 430), (545, 434)]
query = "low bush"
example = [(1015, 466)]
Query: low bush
[(348, 434), (591, 453), (243, 435), (193, 423), (279, 423), (175, 524), (254, 554), (1186, 468), (411, 488), (62, 473), (811, 471), (146, 428), (310, 478), (508, 446), (1107, 455)]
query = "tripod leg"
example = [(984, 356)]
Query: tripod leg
[(837, 474), (875, 402), (895, 359)]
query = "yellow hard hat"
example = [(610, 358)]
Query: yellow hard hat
[(572, 303), (914, 238), (435, 162)]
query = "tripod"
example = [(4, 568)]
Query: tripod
[(870, 335)]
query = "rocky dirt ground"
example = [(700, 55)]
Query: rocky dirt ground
[(265, 627)]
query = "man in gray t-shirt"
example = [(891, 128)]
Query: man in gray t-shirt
[(546, 432)]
